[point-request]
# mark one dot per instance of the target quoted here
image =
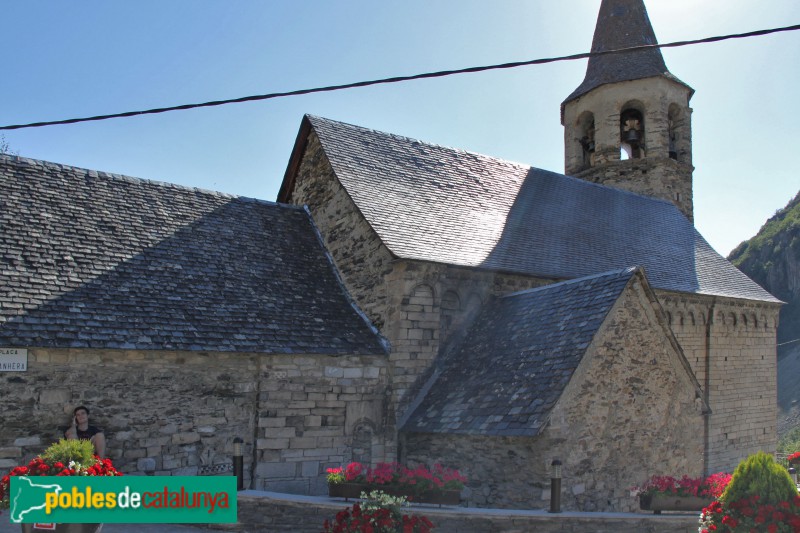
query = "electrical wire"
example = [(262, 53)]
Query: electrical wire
[(398, 79)]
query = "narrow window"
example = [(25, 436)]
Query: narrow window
[(673, 150), (676, 126), (586, 139)]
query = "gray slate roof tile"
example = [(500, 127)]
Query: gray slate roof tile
[(622, 24), (432, 203), (518, 356), (94, 260)]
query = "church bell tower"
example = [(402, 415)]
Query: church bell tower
[(628, 125)]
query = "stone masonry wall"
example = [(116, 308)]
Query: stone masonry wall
[(662, 102), (405, 299), (361, 258), (733, 356), (402, 298), (667, 179), (309, 411), (416, 317), (644, 419), (170, 413)]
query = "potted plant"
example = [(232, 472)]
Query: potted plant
[(794, 459), (379, 513), (64, 458), (439, 485), (667, 493)]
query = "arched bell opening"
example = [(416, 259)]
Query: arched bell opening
[(586, 138), (631, 132), (677, 131)]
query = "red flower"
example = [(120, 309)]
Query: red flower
[(730, 521), (353, 471)]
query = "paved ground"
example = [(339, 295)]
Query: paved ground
[(7, 527)]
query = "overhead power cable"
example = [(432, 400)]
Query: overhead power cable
[(398, 79)]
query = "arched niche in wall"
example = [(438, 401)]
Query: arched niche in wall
[(450, 313), (585, 130), (363, 442), (678, 131)]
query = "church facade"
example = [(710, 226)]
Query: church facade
[(427, 238), (403, 301)]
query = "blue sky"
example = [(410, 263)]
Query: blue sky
[(68, 59)]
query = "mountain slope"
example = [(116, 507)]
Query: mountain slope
[(772, 259)]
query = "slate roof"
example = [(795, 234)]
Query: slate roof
[(432, 203), (94, 260), (517, 358), (622, 24)]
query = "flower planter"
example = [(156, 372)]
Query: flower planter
[(353, 490), (62, 528), (658, 502), (346, 490)]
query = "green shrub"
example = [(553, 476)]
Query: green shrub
[(66, 450), (760, 474), (790, 442)]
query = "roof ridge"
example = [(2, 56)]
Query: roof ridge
[(426, 143), (517, 164), (18, 160), (610, 273)]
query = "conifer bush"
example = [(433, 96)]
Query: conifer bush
[(760, 474), (760, 497)]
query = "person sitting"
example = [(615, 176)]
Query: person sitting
[(80, 429)]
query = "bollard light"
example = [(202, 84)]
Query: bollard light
[(238, 463), (793, 473), (555, 486)]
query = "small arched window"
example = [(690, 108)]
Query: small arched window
[(631, 132)]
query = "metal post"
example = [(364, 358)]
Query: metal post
[(238, 463), (555, 486)]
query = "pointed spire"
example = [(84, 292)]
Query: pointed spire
[(622, 24)]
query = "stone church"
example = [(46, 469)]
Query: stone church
[(401, 301)]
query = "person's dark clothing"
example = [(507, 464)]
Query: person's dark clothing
[(90, 432)]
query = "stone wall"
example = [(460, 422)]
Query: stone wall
[(662, 103), (310, 411), (361, 258), (422, 307), (630, 411), (170, 413), (402, 298), (419, 326), (666, 179), (733, 356)]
